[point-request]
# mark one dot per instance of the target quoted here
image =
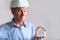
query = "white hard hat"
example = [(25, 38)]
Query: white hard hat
[(19, 3)]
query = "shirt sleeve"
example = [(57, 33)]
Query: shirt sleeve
[(4, 34), (33, 32)]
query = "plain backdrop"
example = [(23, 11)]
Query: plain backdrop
[(44, 13)]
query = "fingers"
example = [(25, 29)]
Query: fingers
[(40, 37), (43, 37), (37, 37)]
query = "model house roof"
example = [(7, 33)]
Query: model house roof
[(41, 28)]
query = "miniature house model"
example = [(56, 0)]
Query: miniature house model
[(40, 31)]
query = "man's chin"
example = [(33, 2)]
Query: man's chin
[(20, 19)]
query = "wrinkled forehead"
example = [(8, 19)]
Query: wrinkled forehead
[(25, 8)]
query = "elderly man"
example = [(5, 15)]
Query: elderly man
[(18, 28)]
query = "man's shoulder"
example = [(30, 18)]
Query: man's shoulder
[(29, 24), (5, 25), (4, 30)]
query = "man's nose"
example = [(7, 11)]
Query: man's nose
[(22, 13)]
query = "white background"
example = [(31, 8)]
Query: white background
[(41, 12)]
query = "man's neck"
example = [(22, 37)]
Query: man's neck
[(18, 23)]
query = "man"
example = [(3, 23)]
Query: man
[(18, 28)]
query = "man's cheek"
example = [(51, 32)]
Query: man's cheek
[(26, 14)]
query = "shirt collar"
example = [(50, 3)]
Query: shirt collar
[(13, 24)]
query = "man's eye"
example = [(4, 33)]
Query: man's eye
[(25, 11)]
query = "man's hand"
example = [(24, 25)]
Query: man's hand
[(38, 38)]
